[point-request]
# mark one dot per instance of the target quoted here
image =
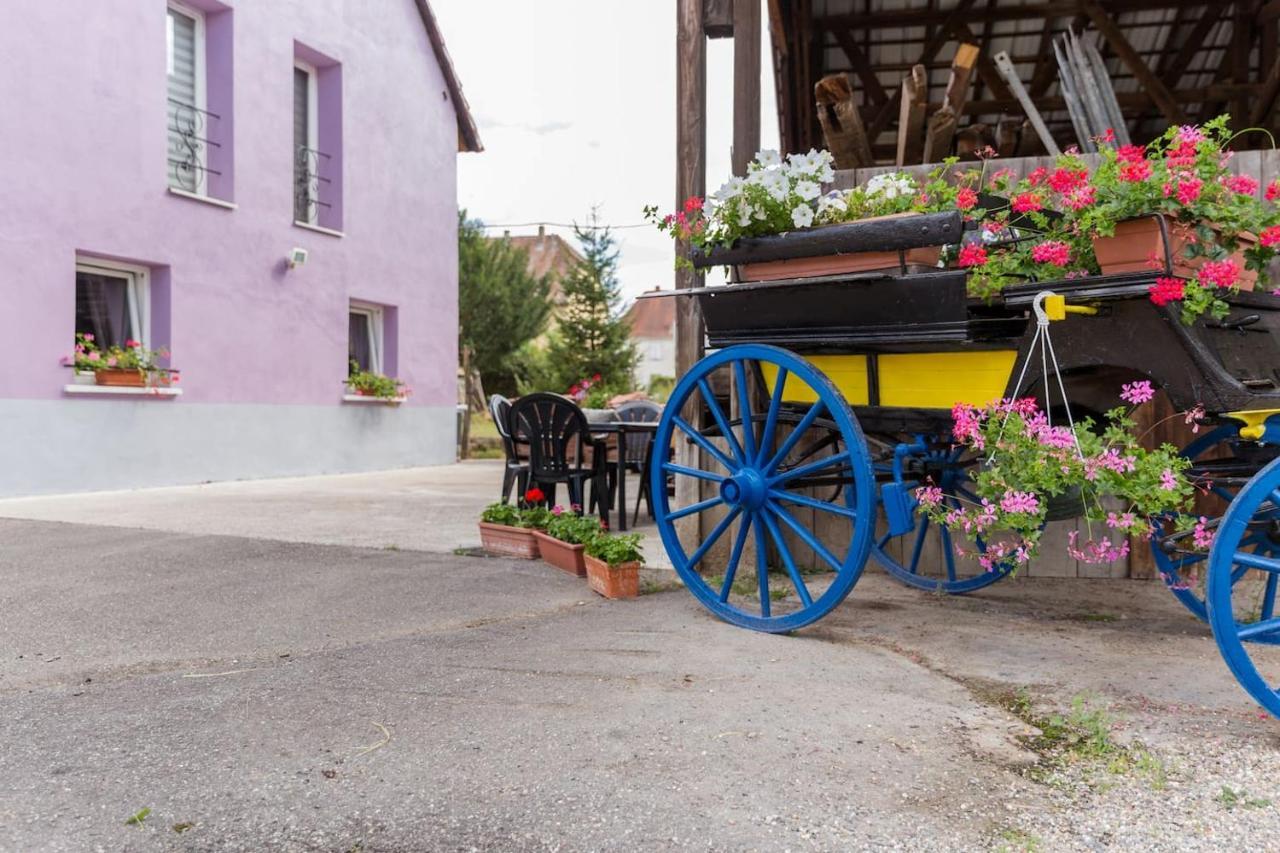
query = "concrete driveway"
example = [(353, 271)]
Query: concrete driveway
[(258, 694)]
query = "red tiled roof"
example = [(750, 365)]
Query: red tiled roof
[(652, 318)]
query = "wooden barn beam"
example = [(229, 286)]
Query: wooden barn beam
[(986, 68), (1194, 44), (930, 50), (912, 117), (1269, 12), (691, 162), (1267, 97), (717, 18), (1116, 38), (842, 128), (995, 12), (746, 83), (862, 66)]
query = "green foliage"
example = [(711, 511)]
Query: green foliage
[(501, 307), (1231, 799), (372, 384), (591, 337), (501, 513), (660, 388), (138, 817), (573, 529), (132, 356), (616, 549), (536, 517)]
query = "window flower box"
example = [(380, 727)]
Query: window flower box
[(620, 581), (1154, 242), (565, 556), (116, 376), (508, 541)]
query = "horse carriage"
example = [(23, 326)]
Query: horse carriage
[(825, 401)]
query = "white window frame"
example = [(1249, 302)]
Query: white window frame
[(202, 178), (374, 316), (137, 291), (313, 136)]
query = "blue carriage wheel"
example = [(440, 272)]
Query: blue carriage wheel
[(757, 491), (962, 576), (1177, 564), (1243, 613)]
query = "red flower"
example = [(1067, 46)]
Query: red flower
[(692, 203), (1189, 190), (1053, 252), (1273, 190), (1065, 180), (1026, 203), (966, 198), (1131, 153), (1219, 273), (535, 496), (1270, 237), (973, 255), (1167, 290), (1135, 171), (1037, 176), (1242, 184)]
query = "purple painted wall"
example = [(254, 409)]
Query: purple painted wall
[(83, 154)]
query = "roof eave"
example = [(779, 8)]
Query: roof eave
[(468, 133)]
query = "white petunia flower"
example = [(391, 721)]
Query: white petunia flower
[(768, 159), (729, 189), (802, 216), (832, 202), (744, 215), (775, 184), (808, 190), (891, 185)]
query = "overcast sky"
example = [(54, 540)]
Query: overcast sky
[(576, 105)]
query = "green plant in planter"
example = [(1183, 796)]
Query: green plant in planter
[(536, 518), (615, 549), (372, 384), (573, 529), (502, 513)]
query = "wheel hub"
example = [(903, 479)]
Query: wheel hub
[(745, 489)]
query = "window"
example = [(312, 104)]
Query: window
[(306, 153), (112, 303), (188, 120), (317, 140), (364, 339)]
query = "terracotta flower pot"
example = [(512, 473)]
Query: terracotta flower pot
[(613, 581), (1139, 246), (854, 262), (120, 377), (508, 541), (563, 555)]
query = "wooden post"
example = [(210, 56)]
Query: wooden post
[(842, 127), (746, 83), (691, 179), (911, 117)]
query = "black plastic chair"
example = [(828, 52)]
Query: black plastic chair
[(637, 449), (516, 471), (561, 448)]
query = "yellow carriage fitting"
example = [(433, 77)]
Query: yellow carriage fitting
[(1255, 422), (928, 380)]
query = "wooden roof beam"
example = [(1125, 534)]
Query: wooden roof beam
[(1116, 38), (1194, 43), (861, 65), (996, 12)]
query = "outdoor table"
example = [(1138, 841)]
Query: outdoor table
[(621, 430)]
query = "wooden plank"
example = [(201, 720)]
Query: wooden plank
[(929, 51), (1271, 87), (973, 139), (717, 18), (746, 83), (961, 72), (911, 117), (1007, 133), (939, 135), (982, 62), (862, 66), (1133, 61), (841, 123), (691, 179)]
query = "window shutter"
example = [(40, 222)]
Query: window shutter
[(302, 156), (186, 123)]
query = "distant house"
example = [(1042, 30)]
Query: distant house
[(653, 329), (268, 191), (549, 254)]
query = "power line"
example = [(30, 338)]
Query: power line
[(568, 225)]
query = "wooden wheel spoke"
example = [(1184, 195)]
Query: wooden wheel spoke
[(771, 419), (721, 421), (697, 473), (804, 500), (805, 470), (780, 543), (713, 537), (732, 569), (789, 444), (745, 414), (700, 506), (762, 569), (808, 537), (701, 440)]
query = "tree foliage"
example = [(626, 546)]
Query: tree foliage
[(591, 337), (501, 307)]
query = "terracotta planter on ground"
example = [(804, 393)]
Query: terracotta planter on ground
[(508, 541), (1139, 246), (854, 262), (563, 555), (118, 377), (613, 581)]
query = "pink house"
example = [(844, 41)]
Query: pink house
[(265, 189)]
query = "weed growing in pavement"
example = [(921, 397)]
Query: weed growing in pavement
[(1231, 799), (137, 818), (1014, 840)]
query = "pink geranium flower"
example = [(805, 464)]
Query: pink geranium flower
[(1137, 393), (1054, 252), (973, 255), (1219, 273), (1167, 290)]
